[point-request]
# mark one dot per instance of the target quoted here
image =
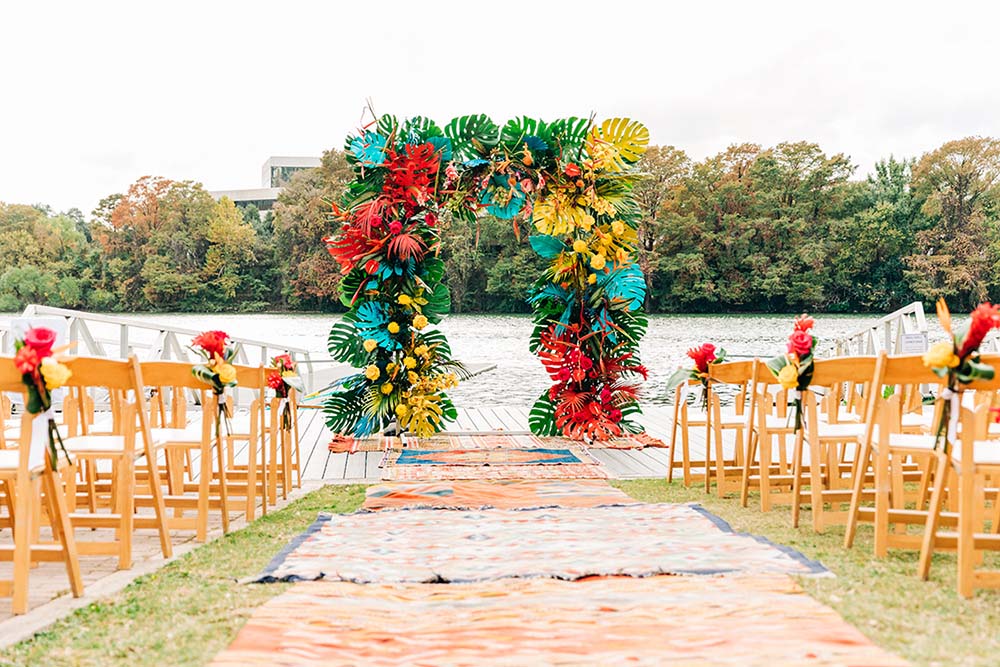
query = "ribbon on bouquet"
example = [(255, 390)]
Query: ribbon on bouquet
[(949, 416), (285, 410), (795, 396), (44, 434)]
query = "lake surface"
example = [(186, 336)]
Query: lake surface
[(503, 340)]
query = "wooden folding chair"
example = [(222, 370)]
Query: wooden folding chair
[(895, 457), (129, 441), (251, 478), (832, 444), (771, 427), (741, 375), (26, 474)]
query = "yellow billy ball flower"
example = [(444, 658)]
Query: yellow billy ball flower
[(387, 388), (409, 362), (372, 372), (390, 368), (941, 355), (227, 374), (370, 344), (592, 278), (579, 246), (618, 227), (788, 376), (597, 262), (419, 322), (404, 300), (55, 374), (393, 327)]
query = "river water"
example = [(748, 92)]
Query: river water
[(503, 340)]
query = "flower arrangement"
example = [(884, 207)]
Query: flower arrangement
[(42, 372), (284, 377), (703, 356), (957, 360), (794, 369), (572, 179), (216, 369)]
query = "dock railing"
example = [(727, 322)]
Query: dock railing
[(901, 332), (118, 337)]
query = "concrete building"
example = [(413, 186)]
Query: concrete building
[(275, 174)]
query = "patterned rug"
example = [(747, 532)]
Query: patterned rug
[(493, 472), (727, 621), (502, 494), (485, 457), (340, 443), (563, 543)]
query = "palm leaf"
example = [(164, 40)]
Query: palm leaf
[(472, 136), (345, 409), (438, 303), (345, 345), (626, 137), (548, 247), (567, 136), (433, 337), (542, 418), (626, 285)]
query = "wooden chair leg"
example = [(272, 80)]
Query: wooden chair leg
[(22, 544), (61, 526), (797, 477), (966, 531), (223, 491), (933, 518), (860, 472), (159, 507), (764, 453), (126, 505), (685, 453), (751, 454), (204, 480), (882, 484)]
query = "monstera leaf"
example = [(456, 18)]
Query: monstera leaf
[(432, 272), (387, 125), (619, 141), (625, 284), (345, 409), (345, 345), (472, 136), (438, 303), (517, 131), (368, 150), (419, 129), (567, 137), (542, 418), (548, 247)]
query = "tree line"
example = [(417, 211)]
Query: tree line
[(776, 229)]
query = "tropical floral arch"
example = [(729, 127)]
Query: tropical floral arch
[(572, 180)]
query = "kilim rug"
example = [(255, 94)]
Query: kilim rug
[(562, 543), (485, 457), (427, 473), (745, 621), (502, 494), (341, 443)]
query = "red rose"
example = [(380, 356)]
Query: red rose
[(572, 170), (284, 362), (984, 318), (26, 360), (395, 227), (804, 323), (605, 395), (615, 415), (212, 342), (40, 340), (430, 219), (708, 350), (800, 342)]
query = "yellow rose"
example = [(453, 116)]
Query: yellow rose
[(393, 328), (592, 278), (54, 373), (370, 344), (372, 372), (941, 355), (412, 377), (579, 246), (788, 376), (387, 388), (419, 322), (587, 221), (390, 368), (618, 227), (227, 374), (409, 362), (597, 262), (402, 410), (404, 300)]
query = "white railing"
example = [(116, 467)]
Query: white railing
[(901, 332), (118, 337)]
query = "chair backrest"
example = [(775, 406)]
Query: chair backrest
[(11, 382)]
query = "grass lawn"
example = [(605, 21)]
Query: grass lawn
[(925, 622), (192, 608)]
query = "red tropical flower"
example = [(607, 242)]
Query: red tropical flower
[(212, 342), (26, 360), (804, 323), (702, 356), (275, 381), (572, 170), (984, 318)]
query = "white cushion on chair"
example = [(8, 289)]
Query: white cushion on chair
[(985, 452), (103, 444), (191, 433), (912, 441), (9, 458), (841, 430), (913, 419)]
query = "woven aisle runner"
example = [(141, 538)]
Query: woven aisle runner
[(483, 441), (502, 494)]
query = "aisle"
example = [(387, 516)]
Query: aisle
[(531, 572)]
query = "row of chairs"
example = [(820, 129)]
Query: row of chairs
[(144, 463), (868, 452)]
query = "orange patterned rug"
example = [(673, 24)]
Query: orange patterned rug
[(501, 494), (340, 443), (746, 621)]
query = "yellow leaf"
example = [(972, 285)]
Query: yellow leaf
[(617, 142)]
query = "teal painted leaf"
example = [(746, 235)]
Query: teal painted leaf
[(547, 246), (443, 146), (625, 284), (369, 150), (419, 129)]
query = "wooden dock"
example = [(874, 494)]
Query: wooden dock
[(319, 464)]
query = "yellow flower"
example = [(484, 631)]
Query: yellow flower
[(597, 262), (941, 355), (421, 350), (618, 227), (404, 300), (54, 373), (788, 376), (370, 344), (412, 377), (372, 372), (393, 328), (419, 322), (579, 246), (592, 278), (621, 255), (409, 362), (390, 368), (227, 374), (402, 410), (586, 222), (387, 388)]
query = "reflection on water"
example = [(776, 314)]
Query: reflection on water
[(503, 340)]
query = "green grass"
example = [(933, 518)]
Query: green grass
[(925, 622), (188, 611), (191, 609)]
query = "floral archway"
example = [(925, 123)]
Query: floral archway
[(573, 180)]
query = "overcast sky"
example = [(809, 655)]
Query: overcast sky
[(97, 94)]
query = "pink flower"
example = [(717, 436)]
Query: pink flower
[(395, 227), (26, 360), (40, 340), (451, 172), (800, 343)]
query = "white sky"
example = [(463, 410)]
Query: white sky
[(97, 94)]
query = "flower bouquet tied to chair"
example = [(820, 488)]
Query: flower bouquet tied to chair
[(42, 373), (794, 368), (216, 369)]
